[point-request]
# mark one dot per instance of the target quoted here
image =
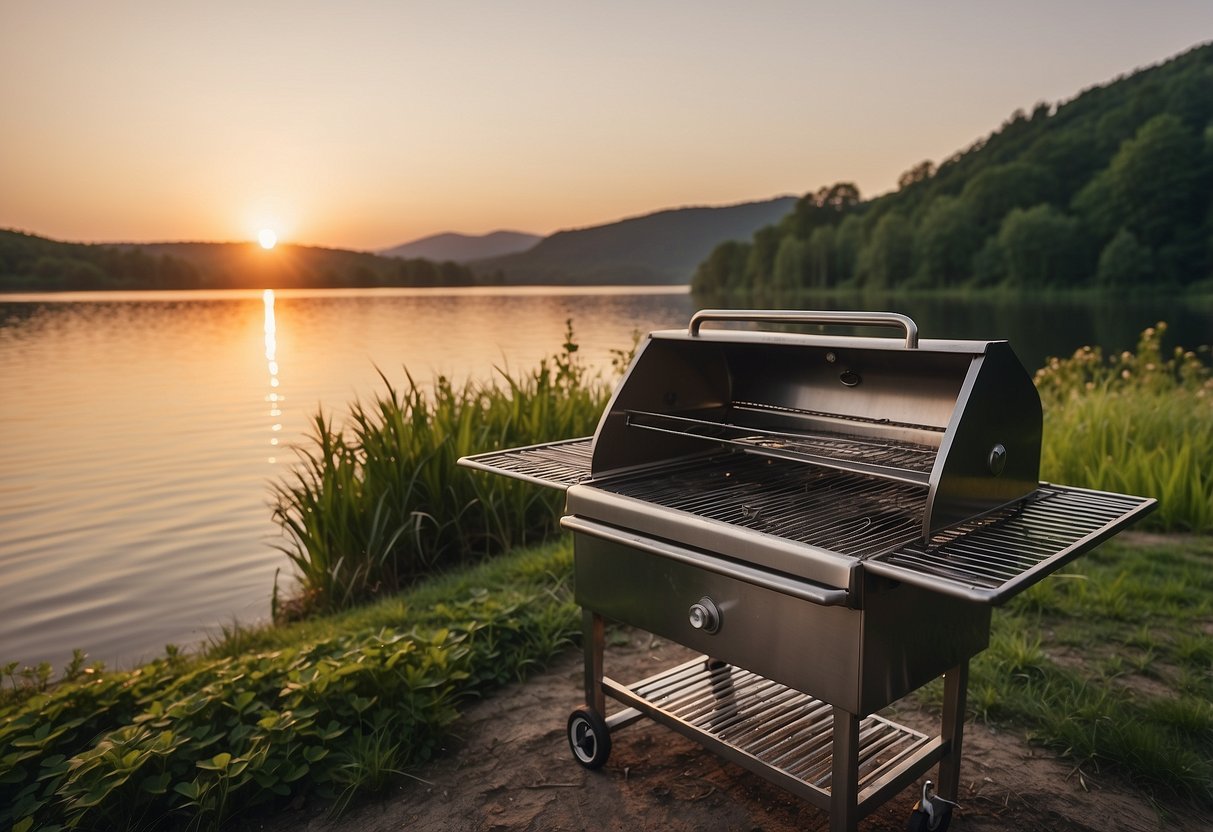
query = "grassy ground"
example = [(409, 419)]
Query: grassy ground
[(1111, 663)]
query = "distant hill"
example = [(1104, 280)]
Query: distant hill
[(1108, 190), (460, 248), (663, 247), (29, 263)]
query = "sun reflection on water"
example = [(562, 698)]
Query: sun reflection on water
[(271, 361)]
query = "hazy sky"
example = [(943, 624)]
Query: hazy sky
[(367, 124)]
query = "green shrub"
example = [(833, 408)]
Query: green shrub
[(331, 708)]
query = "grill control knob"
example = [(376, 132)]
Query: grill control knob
[(997, 459), (705, 615)]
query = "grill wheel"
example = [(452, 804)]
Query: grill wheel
[(589, 738), (932, 813)]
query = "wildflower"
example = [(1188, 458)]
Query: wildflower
[(1124, 373)]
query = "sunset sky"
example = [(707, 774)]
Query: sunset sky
[(367, 124)]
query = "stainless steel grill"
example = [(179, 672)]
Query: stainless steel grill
[(830, 520)]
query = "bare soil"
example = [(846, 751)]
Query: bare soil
[(510, 768)]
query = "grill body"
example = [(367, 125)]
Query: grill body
[(860, 660), (830, 520)]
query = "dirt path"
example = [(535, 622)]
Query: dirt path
[(510, 769)]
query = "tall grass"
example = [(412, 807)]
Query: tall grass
[(378, 501), (1140, 423)]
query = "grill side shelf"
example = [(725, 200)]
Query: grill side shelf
[(551, 464), (991, 559)]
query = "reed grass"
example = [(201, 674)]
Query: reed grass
[(1139, 423), (378, 501)]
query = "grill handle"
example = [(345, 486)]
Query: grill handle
[(786, 316), (805, 590)]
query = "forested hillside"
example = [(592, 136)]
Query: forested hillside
[(35, 264), (1111, 189)]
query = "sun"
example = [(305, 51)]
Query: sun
[(267, 238)]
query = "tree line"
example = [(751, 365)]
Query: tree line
[(1111, 190), (29, 263)]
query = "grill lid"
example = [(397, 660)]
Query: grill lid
[(959, 417)]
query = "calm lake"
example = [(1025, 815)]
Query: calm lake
[(140, 430)]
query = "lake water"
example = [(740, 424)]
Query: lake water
[(140, 430)]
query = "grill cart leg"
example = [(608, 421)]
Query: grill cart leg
[(955, 685), (844, 778), (593, 643), (588, 732)]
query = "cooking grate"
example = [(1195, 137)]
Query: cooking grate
[(558, 464), (769, 723), (995, 556), (838, 510)]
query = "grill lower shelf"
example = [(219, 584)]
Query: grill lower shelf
[(775, 731)]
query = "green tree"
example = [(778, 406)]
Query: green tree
[(822, 259), (791, 264), (887, 259), (848, 242), (1190, 97), (723, 269), (947, 240), (919, 173), (1071, 156), (990, 263), (1124, 262), (1156, 188), (1157, 178), (1099, 206), (824, 207), (760, 264), (995, 191), (1041, 247)]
